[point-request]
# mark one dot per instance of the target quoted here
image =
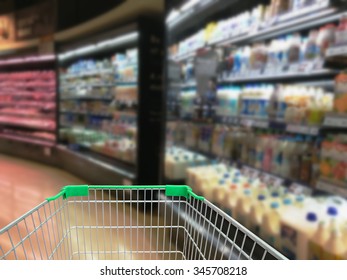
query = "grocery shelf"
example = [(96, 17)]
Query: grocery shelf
[(189, 84), (103, 156), (335, 121), (102, 161), (276, 180), (303, 19), (30, 140), (336, 57), (33, 104), (86, 86), (275, 75), (23, 115), (126, 83), (312, 130), (86, 98), (87, 74), (267, 177), (87, 113), (331, 188), (31, 127)]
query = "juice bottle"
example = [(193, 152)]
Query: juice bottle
[(268, 153)]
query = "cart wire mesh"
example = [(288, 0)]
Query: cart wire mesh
[(132, 223)]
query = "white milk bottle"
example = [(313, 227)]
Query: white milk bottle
[(220, 192), (296, 230), (256, 214), (317, 242), (270, 228), (335, 248), (231, 197), (243, 207)]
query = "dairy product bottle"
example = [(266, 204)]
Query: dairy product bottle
[(243, 207), (256, 214), (270, 229), (296, 231), (231, 197), (335, 248), (317, 242)]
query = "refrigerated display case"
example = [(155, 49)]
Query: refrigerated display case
[(110, 98), (253, 110), (28, 99)]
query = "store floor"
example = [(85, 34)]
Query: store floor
[(24, 185)]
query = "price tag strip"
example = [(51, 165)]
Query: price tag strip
[(333, 189), (254, 123), (337, 50), (268, 179), (303, 129), (297, 189), (336, 121)]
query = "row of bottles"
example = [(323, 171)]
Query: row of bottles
[(286, 155), (301, 227)]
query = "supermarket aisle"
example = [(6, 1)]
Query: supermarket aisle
[(25, 184)]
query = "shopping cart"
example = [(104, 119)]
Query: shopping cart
[(129, 222)]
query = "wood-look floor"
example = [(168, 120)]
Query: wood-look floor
[(100, 229)]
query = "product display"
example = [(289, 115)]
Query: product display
[(98, 104), (178, 160), (27, 103), (270, 120), (259, 18), (301, 227)]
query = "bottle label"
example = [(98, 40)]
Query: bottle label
[(331, 256), (289, 239), (315, 251)]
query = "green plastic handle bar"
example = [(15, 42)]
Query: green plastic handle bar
[(83, 190)]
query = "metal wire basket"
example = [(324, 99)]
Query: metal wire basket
[(129, 222)]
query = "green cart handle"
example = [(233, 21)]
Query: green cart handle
[(83, 190)]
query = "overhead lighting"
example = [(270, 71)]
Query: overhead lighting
[(100, 45), (27, 59), (189, 4), (85, 49), (119, 40), (173, 14)]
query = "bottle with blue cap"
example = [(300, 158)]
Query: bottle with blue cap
[(243, 206), (297, 228), (270, 229), (256, 214), (220, 191), (332, 216)]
